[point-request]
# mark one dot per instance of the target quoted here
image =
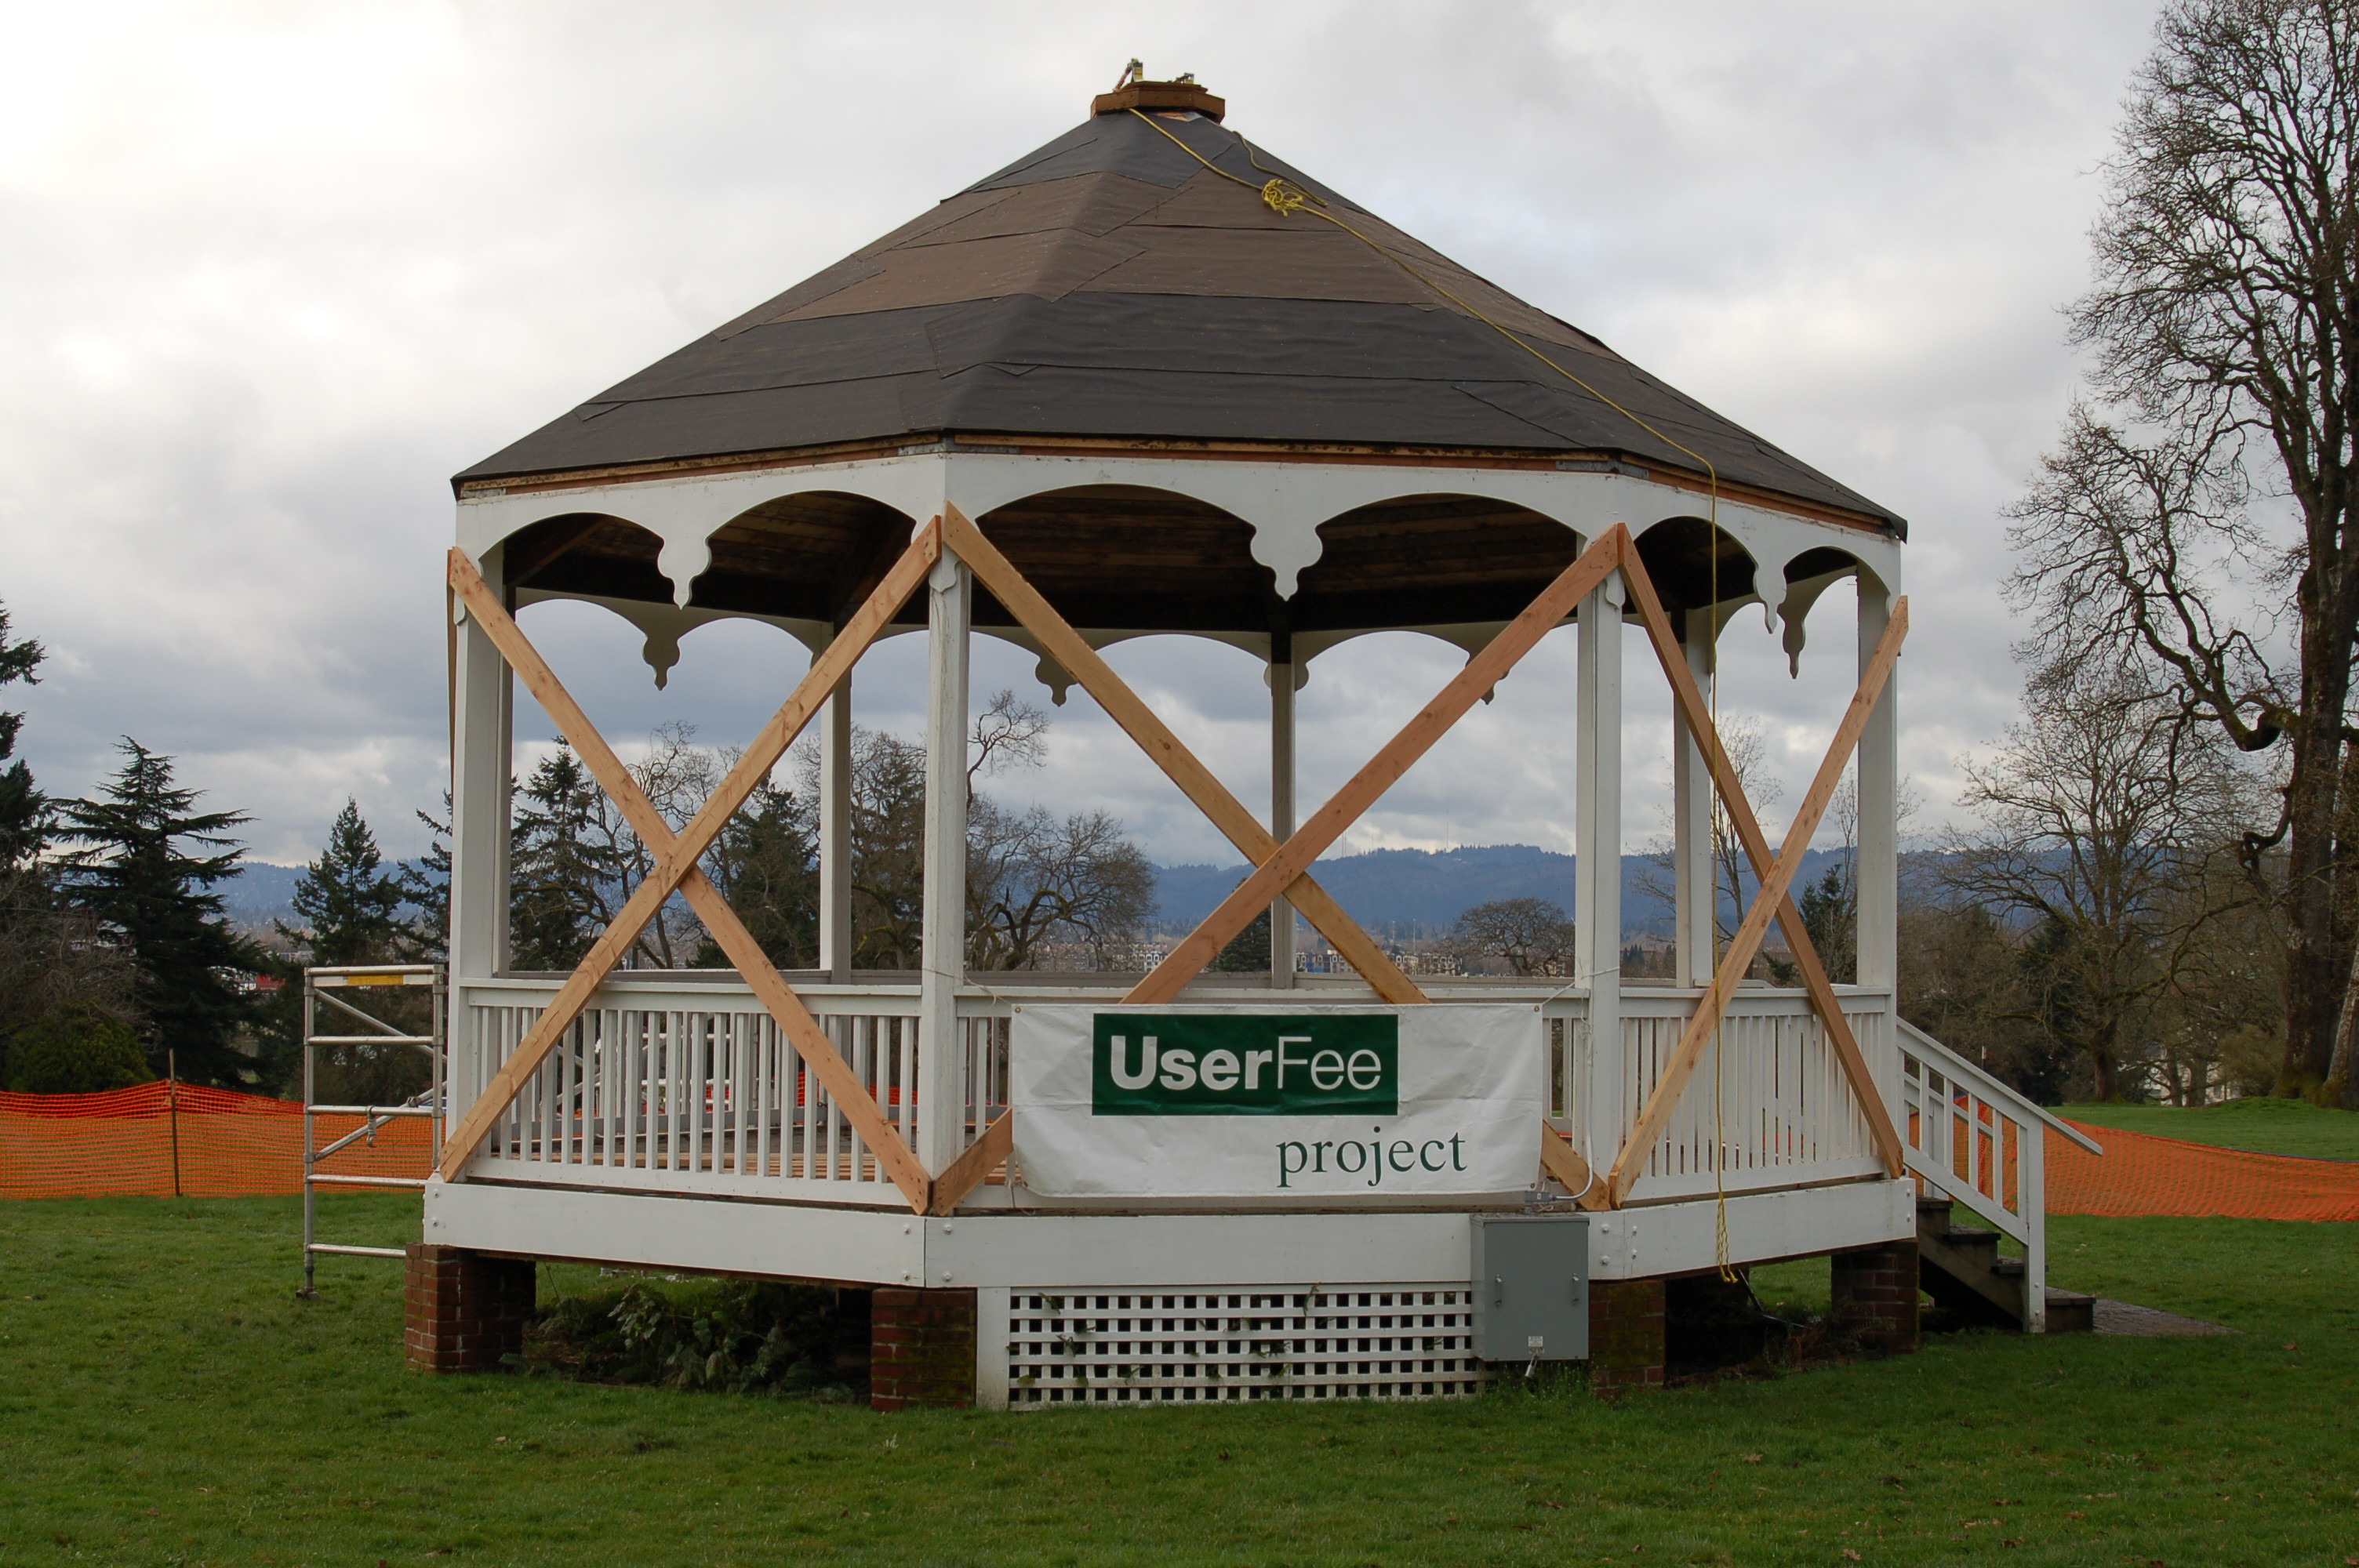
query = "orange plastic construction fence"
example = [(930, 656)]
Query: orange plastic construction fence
[(164, 1140), (2139, 1174), (158, 1139)]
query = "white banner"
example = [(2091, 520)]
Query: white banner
[(1233, 1101)]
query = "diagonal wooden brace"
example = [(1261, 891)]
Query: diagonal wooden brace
[(1560, 1159), (1698, 714), (676, 869), (1770, 901), (990, 1151), (1062, 643), (1279, 871)]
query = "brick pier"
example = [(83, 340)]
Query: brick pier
[(920, 1348), (463, 1310), (1625, 1335), (1874, 1295)]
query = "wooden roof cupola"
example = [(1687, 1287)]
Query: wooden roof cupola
[(1180, 98)]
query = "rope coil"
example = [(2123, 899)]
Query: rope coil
[(1279, 196)]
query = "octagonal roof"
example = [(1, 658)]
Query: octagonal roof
[(1110, 285)]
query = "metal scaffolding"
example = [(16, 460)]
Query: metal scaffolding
[(430, 1103)]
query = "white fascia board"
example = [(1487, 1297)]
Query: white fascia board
[(1048, 1251), (1056, 1251), (1284, 501), (684, 512), (795, 1241), (1650, 1241)]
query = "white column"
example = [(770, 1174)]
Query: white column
[(480, 769), (1879, 806), (941, 1054), (1597, 843), (1694, 876), (482, 736), (835, 836), (1281, 801)]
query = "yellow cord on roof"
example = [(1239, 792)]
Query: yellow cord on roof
[(1286, 199)]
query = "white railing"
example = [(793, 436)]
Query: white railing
[(1975, 1140), (685, 1085), (1770, 1106), (694, 1088)]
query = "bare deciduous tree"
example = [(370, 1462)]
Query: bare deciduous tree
[(2226, 321), (1008, 733), (1531, 936), (1741, 741), (2103, 821), (1034, 879)]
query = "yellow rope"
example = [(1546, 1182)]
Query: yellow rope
[(1719, 1024), (1286, 199)]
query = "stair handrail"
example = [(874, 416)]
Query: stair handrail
[(1997, 1091), (2028, 1223)]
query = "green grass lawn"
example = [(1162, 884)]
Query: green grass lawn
[(2264, 1126), (166, 1399)]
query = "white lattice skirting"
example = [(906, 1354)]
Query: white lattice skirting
[(1267, 1342)]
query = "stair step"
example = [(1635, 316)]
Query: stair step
[(1968, 1236), (2012, 1268), (2069, 1312), (1932, 1205)]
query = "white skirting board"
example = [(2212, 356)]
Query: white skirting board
[(1100, 1251)]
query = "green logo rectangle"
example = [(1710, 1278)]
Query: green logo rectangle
[(1166, 1064)]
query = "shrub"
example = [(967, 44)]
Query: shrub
[(79, 1048), (739, 1336), (2249, 1059)]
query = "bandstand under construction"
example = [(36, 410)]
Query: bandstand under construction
[(1149, 380)]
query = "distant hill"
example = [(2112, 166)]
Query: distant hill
[(1406, 893), (260, 893), (1395, 892)]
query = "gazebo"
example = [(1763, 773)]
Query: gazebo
[(1146, 380)]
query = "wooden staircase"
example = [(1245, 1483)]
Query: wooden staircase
[(1975, 1139), (1960, 1267)]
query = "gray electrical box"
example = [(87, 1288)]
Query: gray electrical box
[(1531, 1287)]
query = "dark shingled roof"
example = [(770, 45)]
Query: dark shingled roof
[(1108, 285)]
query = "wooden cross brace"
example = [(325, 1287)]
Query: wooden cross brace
[(1279, 870), (1224, 810), (1773, 900), (676, 868), (1094, 676), (1284, 866)]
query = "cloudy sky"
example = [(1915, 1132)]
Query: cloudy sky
[(274, 271)]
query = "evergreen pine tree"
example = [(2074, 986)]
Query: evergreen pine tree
[(1830, 909), (562, 873), (24, 812), (765, 864), (1248, 951), (349, 904), (50, 957), (133, 876), (425, 885)]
